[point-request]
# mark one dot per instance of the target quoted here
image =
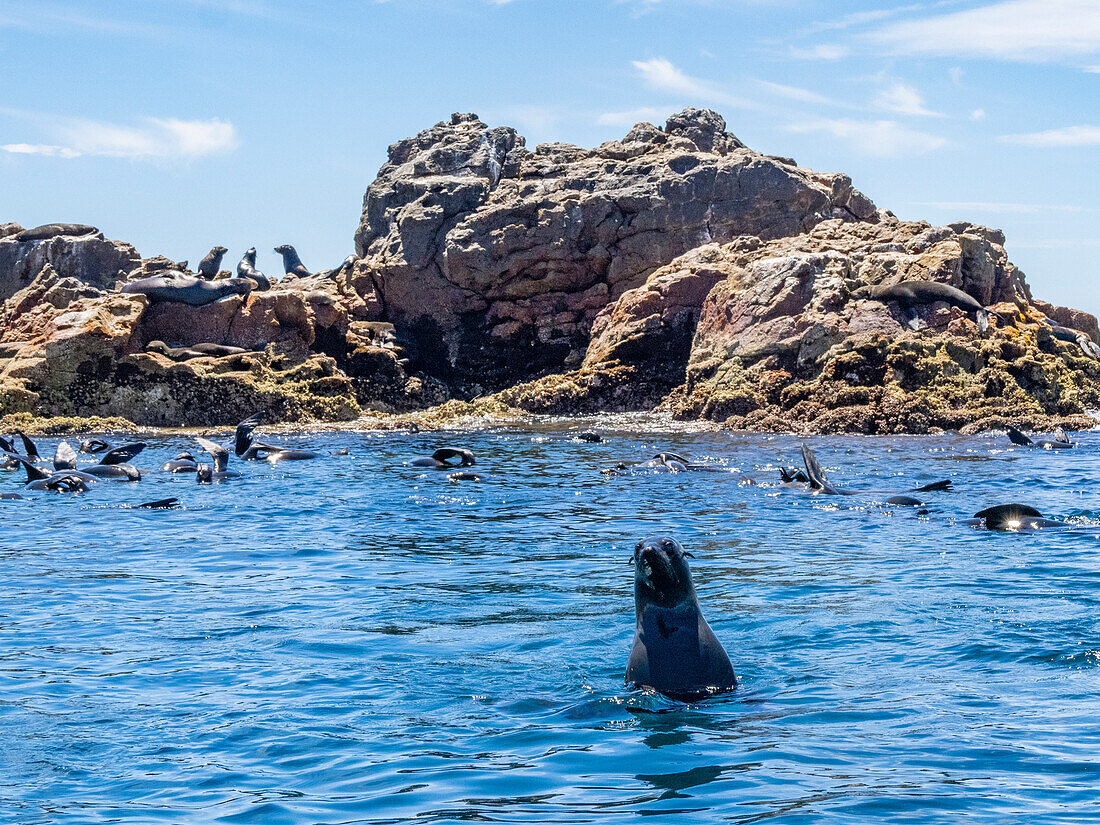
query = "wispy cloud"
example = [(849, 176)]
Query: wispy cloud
[(661, 75), (822, 51), (904, 100), (859, 18), (796, 93), (1030, 30), (977, 114), (881, 138), (998, 208), (628, 119), (154, 138), (1056, 138)]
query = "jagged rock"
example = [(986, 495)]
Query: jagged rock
[(47, 288), (499, 258), (88, 258)]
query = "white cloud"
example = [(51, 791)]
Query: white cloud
[(1055, 138), (1092, 69), (660, 74), (795, 93), (823, 51), (155, 138), (628, 119), (40, 149), (998, 208), (1031, 30), (956, 75), (977, 114), (859, 18), (904, 100), (882, 138)]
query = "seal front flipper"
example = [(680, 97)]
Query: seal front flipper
[(1017, 437), (64, 457), (982, 316), (121, 455), (244, 433), (28, 447), (935, 486), (161, 504), (1060, 436), (817, 475)]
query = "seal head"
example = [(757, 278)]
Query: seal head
[(675, 652)]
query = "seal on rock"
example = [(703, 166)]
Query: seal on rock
[(179, 288), (675, 652), (1074, 336), (56, 230), (193, 351), (910, 294), (209, 266), (247, 269), (292, 264)]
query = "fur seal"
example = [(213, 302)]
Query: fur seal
[(69, 481), (1013, 518), (209, 266), (910, 294), (292, 264), (820, 484), (64, 457), (248, 449), (182, 463), (56, 230), (1074, 336), (347, 263), (94, 445), (440, 459), (247, 269), (176, 287), (675, 652), (220, 471), (194, 351), (1061, 440), (161, 504)]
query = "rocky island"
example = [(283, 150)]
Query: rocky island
[(673, 270)]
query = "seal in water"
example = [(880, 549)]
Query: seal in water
[(183, 289), (28, 447), (94, 445), (161, 504), (182, 463), (113, 463), (1061, 440), (209, 266), (910, 294), (247, 269), (1013, 518), (248, 449), (292, 264), (675, 652), (440, 459), (64, 457), (820, 484), (69, 481), (56, 230), (220, 471)]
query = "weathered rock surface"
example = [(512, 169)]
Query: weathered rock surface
[(499, 258), (675, 269)]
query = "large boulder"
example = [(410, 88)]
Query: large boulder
[(498, 259), (89, 258)]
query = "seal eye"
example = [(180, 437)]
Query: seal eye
[(638, 547), (666, 544)]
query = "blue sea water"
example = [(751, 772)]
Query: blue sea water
[(356, 640)]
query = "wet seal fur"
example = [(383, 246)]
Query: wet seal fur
[(440, 459), (910, 294), (1013, 518), (675, 652), (1061, 440)]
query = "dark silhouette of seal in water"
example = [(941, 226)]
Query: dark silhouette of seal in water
[(183, 463), (56, 230), (161, 504), (220, 471), (67, 481), (675, 652), (911, 294), (113, 463), (292, 264), (209, 266), (820, 484), (247, 269), (94, 445), (176, 287), (441, 459), (1061, 440), (1013, 518), (248, 449)]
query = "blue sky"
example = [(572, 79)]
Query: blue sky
[(181, 124)]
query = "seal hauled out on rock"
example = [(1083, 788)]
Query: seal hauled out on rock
[(292, 264), (675, 652), (183, 289), (1074, 336), (56, 230), (209, 266), (247, 269), (205, 350), (910, 294)]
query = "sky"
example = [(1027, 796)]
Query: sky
[(177, 125)]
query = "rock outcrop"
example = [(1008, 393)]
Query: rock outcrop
[(675, 269)]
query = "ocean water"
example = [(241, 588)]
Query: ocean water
[(356, 640)]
